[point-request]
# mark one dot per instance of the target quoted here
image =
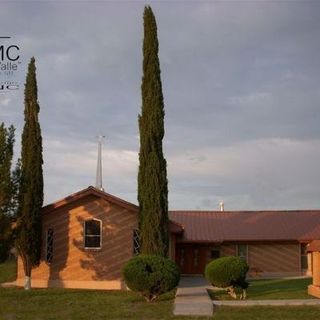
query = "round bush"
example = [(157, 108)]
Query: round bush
[(227, 271), (151, 275)]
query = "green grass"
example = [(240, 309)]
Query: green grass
[(270, 289), (267, 313), (66, 304), (52, 304), (8, 271), (82, 305)]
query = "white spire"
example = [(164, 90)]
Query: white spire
[(99, 164)]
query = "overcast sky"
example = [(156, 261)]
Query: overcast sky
[(241, 89)]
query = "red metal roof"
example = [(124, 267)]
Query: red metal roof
[(218, 226), (314, 246), (174, 227)]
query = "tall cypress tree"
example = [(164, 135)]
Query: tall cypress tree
[(29, 227), (152, 177)]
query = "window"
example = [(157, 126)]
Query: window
[(49, 245), (195, 257), (304, 256), (136, 242), (214, 254), (242, 251), (92, 234)]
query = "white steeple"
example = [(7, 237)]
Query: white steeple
[(99, 164)]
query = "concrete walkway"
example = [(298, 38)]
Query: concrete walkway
[(8, 284), (192, 297), (279, 302)]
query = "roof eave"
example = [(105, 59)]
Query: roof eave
[(86, 192)]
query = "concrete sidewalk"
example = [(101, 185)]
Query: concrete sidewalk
[(192, 297), (279, 302), (8, 284)]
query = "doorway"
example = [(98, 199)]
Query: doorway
[(192, 258)]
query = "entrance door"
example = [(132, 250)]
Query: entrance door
[(192, 258)]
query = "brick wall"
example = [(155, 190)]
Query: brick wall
[(74, 266)]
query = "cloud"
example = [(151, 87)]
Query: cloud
[(255, 174), (5, 101), (71, 164), (251, 100), (241, 92)]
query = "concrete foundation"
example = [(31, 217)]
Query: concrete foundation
[(314, 291)]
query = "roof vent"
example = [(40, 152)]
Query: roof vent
[(221, 205)]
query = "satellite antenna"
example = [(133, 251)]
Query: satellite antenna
[(99, 164)]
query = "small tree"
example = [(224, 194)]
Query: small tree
[(229, 273), (151, 275), (6, 154), (7, 189), (5, 237), (28, 242), (16, 180)]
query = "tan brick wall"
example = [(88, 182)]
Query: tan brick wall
[(172, 247), (269, 259), (71, 262), (228, 250), (275, 259)]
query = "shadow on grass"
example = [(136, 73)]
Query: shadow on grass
[(73, 304)]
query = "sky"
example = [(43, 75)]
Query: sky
[(241, 86)]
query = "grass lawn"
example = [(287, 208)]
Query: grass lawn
[(66, 304), (267, 313), (8, 271), (270, 289), (48, 304)]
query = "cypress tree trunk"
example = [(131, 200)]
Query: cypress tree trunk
[(152, 177), (29, 227)]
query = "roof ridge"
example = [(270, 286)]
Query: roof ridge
[(84, 192)]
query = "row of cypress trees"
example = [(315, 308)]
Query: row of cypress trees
[(152, 176)]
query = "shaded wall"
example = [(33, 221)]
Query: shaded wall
[(275, 259), (265, 259), (76, 267), (269, 259)]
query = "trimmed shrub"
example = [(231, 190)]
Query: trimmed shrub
[(151, 275), (228, 272)]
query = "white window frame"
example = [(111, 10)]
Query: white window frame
[(303, 255), (46, 249), (136, 242), (84, 234)]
